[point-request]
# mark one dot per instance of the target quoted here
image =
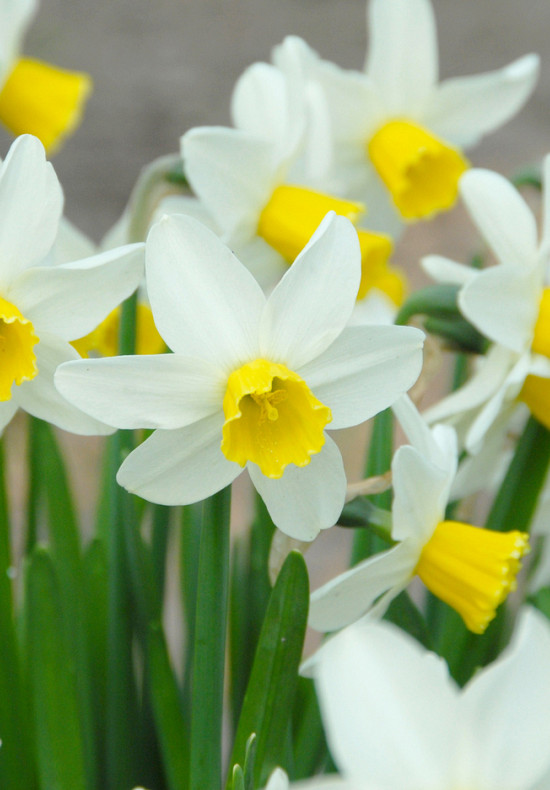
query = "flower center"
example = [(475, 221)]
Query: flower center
[(472, 569), (104, 339), (420, 171), (293, 214), (271, 418), (43, 100), (17, 340)]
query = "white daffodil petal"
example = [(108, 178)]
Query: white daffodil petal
[(41, 398), (510, 318), (350, 595), (487, 379), (364, 371), (356, 106), (71, 299), (437, 445), (31, 204), (444, 270), (259, 102), (515, 688), (464, 109), (232, 172), (312, 303), (307, 499), (379, 690), (179, 467), (402, 58), (163, 391), (71, 244), (421, 491), (191, 206), (204, 302), (503, 217)]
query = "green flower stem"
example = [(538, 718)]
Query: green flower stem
[(209, 652), (17, 766)]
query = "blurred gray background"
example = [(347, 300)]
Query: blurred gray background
[(163, 66)]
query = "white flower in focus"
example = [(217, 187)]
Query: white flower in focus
[(398, 134), (252, 381), (395, 720), (470, 568), (508, 303), (35, 97), (44, 307)]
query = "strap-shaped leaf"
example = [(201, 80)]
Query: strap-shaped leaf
[(269, 698)]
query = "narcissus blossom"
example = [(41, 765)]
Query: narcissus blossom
[(264, 203), (395, 720), (398, 134), (253, 381), (35, 97), (44, 307), (509, 303), (470, 568)]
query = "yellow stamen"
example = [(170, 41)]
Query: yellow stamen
[(472, 569), (420, 171), (104, 339), (17, 340), (43, 100), (271, 418), (292, 215)]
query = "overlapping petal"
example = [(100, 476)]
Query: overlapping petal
[(402, 58), (71, 299), (464, 109), (181, 466), (41, 398), (31, 204), (307, 499), (313, 302), (204, 302), (232, 172), (502, 216), (350, 595), (356, 385), (389, 709), (174, 391)]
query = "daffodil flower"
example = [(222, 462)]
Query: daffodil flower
[(470, 568), (35, 97), (509, 303), (44, 307), (253, 381), (395, 720), (398, 134)]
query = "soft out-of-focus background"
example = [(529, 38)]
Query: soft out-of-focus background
[(163, 66)]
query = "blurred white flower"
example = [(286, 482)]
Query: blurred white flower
[(509, 303), (395, 720), (397, 133), (35, 97)]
